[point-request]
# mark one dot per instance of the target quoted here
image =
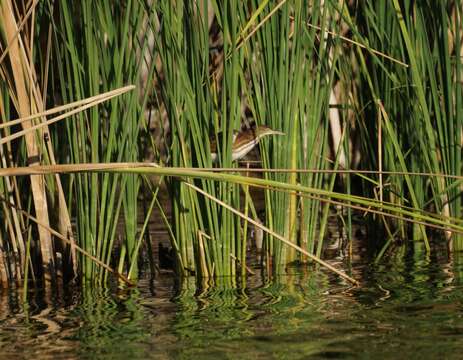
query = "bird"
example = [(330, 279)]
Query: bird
[(243, 141)]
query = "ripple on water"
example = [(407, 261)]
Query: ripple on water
[(413, 309)]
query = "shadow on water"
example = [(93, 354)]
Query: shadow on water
[(403, 309)]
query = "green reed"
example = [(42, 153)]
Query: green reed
[(292, 76), (200, 103), (206, 67), (421, 118), (95, 52)]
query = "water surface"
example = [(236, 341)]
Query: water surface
[(403, 309)]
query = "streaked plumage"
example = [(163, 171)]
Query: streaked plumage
[(244, 141)]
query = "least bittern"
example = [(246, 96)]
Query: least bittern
[(244, 141)]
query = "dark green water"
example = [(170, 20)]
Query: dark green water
[(402, 310)]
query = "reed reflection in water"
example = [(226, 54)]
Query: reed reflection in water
[(415, 307)]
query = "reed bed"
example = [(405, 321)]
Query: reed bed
[(118, 101)]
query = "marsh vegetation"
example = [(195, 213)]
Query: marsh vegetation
[(107, 105)]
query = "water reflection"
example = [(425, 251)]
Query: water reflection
[(410, 308)]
